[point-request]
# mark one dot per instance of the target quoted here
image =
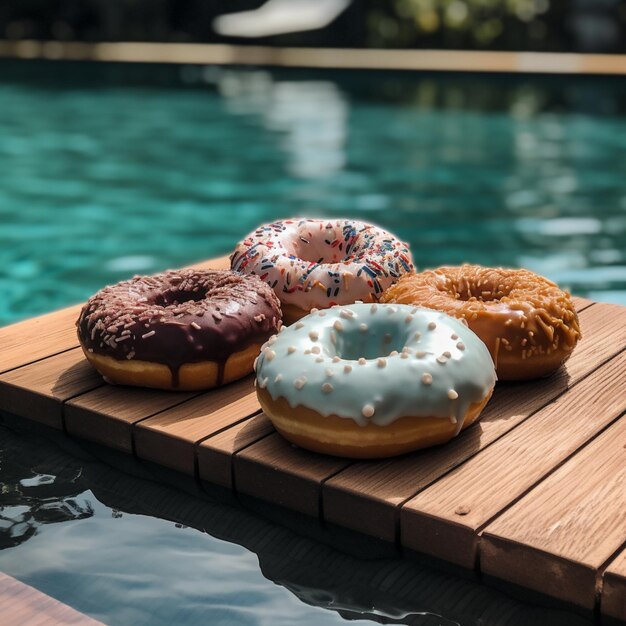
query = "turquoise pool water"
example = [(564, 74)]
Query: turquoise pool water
[(107, 171)]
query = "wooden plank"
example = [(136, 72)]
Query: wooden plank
[(24, 605), (107, 414), (274, 470), (613, 602), (559, 536), (170, 437), (367, 496), (445, 520), (215, 454), (40, 337), (37, 391)]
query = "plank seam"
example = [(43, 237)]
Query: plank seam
[(320, 495), (196, 445), (401, 504), (236, 454), (600, 578), (43, 358), (554, 469)]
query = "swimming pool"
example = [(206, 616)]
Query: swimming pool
[(91, 528), (107, 171)]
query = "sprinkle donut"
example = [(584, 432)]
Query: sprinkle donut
[(186, 329), (529, 325), (319, 263), (373, 380)]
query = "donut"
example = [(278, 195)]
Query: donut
[(373, 380), (186, 329), (529, 325), (319, 263)]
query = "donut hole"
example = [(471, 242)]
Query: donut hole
[(176, 298), (353, 344), (324, 246)]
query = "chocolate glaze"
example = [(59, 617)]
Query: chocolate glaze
[(178, 317)]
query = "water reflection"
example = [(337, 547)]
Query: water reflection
[(487, 169), (149, 553)]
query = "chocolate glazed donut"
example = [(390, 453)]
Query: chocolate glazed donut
[(185, 329)]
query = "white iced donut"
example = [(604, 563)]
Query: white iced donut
[(312, 263)]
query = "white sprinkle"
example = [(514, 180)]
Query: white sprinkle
[(263, 382), (319, 359), (314, 310), (427, 378), (447, 354), (130, 355), (314, 335), (346, 314), (432, 325), (361, 361), (278, 378), (367, 410), (408, 319), (315, 350), (333, 337), (307, 352), (363, 328), (420, 354), (374, 308), (90, 350), (271, 340), (453, 395), (291, 349), (327, 387), (269, 354), (122, 338), (358, 302), (146, 335), (338, 325), (347, 368), (391, 310), (463, 321), (442, 359), (417, 335), (454, 336), (460, 345), (195, 325), (329, 372), (404, 355), (393, 353), (336, 359), (299, 325), (298, 383), (382, 362)]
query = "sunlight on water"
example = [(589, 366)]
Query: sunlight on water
[(109, 175)]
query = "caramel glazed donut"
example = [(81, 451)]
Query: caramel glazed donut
[(373, 380), (319, 263), (185, 329), (529, 325)]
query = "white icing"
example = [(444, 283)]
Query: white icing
[(317, 263)]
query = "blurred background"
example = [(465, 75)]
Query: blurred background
[(138, 135)]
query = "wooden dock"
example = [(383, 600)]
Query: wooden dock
[(22, 604), (534, 495)]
